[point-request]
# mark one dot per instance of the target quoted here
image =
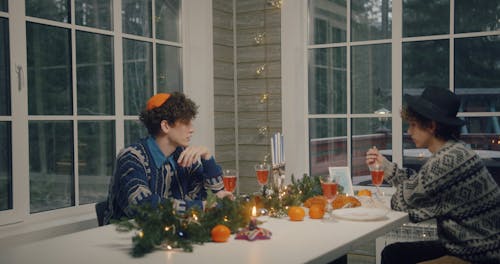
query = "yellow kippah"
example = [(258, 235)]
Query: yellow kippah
[(157, 100)]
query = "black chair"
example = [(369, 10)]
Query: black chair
[(100, 208)]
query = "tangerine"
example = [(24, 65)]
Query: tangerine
[(364, 192), (296, 213), (316, 211), (220, 233)]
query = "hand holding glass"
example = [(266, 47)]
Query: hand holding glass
[(329, 187), (229, 178)]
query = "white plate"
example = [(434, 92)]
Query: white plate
[(361, 213)]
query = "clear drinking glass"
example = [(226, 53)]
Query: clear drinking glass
[(230, 179), (377, 172), (262, 173), (329, 187)]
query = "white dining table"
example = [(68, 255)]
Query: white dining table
[(307, 241)]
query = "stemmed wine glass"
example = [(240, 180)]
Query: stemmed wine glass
[(329, 187), (262, 173), (377, 172), (229, 178)]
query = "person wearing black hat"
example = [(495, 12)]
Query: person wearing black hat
[(453, 187)]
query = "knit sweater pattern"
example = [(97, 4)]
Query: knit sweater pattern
[(456, 189), (137, 180)]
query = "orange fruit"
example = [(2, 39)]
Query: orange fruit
[(220, 233), (296, 213), (364, 192), (343, 201), (315, 199), (316, 211)]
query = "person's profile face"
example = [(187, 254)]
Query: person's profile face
[(181, 132)]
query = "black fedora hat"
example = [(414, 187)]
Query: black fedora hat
[(438, 104)]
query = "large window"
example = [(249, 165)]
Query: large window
[(360, 64), (84, 80)]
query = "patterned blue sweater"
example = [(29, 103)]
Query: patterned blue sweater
[(456, 189), (144, 175)]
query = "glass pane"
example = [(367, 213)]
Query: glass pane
[(483, 135), (371, 78), (327, 145), (327, 81), (5, 166), (137, 75), (93, 13), (4, 67), (167, 20), (328, 21), (371, 19), (95, 72), (96, 152), (424, 18), (477, 15), (168, 66), (51, 165), (136, 17), (477, 73), (426, 63), (4, 5), (57, 10), (368, 132), (49, 70), (134, 130)]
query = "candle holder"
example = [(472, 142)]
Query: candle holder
[(252, 232), (278, 173)]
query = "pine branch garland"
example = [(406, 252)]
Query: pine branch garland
[(163, 227)]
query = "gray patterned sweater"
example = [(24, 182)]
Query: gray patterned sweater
[(456, 189)]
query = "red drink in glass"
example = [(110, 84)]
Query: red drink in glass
[(262, 176), (377, 177), (329, 189), (229, 182)]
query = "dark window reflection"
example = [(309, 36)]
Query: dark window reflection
[(327, 81), (477, 73), (93, 13), (477, 15), (57, 10), (4, 5), (371, 19), (5, 166), (49, 70), (424, 18), (371, 78), (327, 144), (426, 63), (134, 130), (136, 17), (95, 71), (51, 165), (4, 67), (328, 21)]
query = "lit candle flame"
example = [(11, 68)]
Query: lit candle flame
[(254, 211)]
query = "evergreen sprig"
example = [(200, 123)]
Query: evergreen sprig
[(163, 227)]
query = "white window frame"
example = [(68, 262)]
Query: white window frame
[(197, 67)]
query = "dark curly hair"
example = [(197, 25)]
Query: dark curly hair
[(444, 132), (177, 108)]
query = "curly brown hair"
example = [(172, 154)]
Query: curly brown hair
[(177, 108), (444, 132)]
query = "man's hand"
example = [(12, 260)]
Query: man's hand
[(221, 194), (192, 154)]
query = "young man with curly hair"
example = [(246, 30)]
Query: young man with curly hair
[(164, 165), (453, 187)]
